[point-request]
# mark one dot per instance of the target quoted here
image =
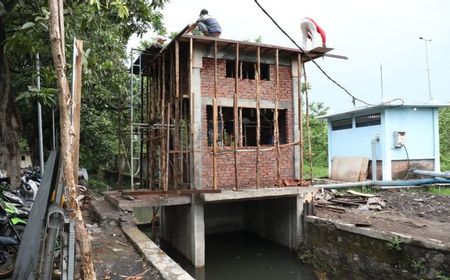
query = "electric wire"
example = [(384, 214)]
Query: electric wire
[(354, 98), (409, 164)]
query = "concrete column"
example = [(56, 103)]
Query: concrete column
[(437, 150), (197, 235), (295, 96), (297, 236), (196, 106), (183, 227)]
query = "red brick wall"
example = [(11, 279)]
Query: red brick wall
[(246, 160), (400, 167)]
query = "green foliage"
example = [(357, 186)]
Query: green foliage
[(444, 127), (441, 276), (306, 256), (439, 190), (105, 26), (46, 96), (258, 39), (418, 266), (395, 244)]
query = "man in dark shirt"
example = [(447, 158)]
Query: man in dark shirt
[(208, 25)]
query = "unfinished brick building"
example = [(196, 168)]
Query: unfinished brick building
[(219, 113)]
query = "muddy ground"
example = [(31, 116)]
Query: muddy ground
[(418, 214)]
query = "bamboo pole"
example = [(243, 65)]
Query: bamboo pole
[(235, 113), (258, 117), (276, 115), (215, 126), (300, 117)]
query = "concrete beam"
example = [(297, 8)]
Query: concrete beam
[(167, 267), (248, 103), (249, 194)]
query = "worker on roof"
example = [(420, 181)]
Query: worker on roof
[(208, 25), (310, 30)]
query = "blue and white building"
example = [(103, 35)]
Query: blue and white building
[(397, 137)]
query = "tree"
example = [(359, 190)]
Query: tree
[(9, 118), (444, 126)]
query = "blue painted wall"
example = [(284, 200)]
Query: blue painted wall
[(419, 123)]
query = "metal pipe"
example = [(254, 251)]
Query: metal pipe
[(384, 184), (432, 173), (346, 185), (374, 157), (39, 109), (131, 120)]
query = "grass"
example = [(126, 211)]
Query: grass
[(318, 172), (439, 190)]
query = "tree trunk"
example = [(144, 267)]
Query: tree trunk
[(56, 24), (9, 119)]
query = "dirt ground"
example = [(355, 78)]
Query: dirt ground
[(114, 257), (418, 214)]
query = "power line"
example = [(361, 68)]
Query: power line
[(354, 98)]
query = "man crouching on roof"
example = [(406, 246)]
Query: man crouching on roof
[(208, 25)]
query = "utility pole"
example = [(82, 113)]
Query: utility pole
[(428, 66), (39, 109)]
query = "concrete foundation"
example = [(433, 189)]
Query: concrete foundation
[(274, 214)]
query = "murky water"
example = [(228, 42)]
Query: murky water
[(244, 256)]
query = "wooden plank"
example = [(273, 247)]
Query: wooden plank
[(177, 192), (76, 99), (349, 169), (321, 50)]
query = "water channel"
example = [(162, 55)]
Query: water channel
[(244, 256)]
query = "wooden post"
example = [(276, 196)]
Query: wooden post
[(166, 183), (258, 117), (215, 125), (76, 99), (235, 113), (162, 150), (276, 115), (177, 134), (300, 117), (241, 133), (308, 126), (191, 117)]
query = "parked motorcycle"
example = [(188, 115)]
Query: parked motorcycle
[(10, 238)]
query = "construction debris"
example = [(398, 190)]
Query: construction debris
[(339, 201)]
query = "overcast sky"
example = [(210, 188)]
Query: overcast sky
[(370, 33)]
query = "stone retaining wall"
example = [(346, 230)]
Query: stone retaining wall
[(344, 251)]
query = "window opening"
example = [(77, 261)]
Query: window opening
[(342, 124), (368, 120), (247, 70), (249, 126)]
